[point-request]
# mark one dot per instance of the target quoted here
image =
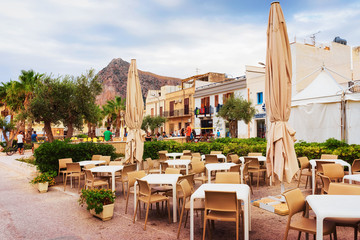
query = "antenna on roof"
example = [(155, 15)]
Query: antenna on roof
[(313, 37), (197, 71)]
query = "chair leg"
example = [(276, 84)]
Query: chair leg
[(168, 207), (127, 201), (299, 236), (180, 221), (186, 218), (147, 214), (136, 207), (204, 228), (257, 187), (65, 182), (355, 232), (237, 227), (300, 179)]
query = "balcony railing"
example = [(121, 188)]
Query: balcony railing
[(208, 110), (178, 112)]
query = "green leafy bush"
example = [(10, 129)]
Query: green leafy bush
[(96, 198), (243, 146), (48, 154), (44, 177)]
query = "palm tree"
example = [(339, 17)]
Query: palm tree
[(19, 96), (113, 111)]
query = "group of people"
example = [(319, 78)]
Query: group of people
[(189, 133), (20, 141)]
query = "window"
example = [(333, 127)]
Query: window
[(259, 98), (179, 126), (152, 112), (172, 104), (186, 106), (216, 100), (226, 96), (161, 111)]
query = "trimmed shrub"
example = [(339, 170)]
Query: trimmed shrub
[(48, 154), (242, 147)]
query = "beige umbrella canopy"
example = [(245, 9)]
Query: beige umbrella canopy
[(280, 155), (134, 116)]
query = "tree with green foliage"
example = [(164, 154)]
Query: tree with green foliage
[(114, 110), (7, 127), (236, 109), (78, 100), (45, 106), (152, 123), (68, 100), (19, 95)]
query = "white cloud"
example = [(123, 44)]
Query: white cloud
[(68, 37)]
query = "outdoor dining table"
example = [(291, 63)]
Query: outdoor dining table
[(219, 156), (217, 166), (179, 163), (161, 179), (88, 162), (353, 177), (313, 166), (174, 155), (108, 169), (333, 206), (242, 193)]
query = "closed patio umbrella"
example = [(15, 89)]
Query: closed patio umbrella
[(134, 116), (280, 154)]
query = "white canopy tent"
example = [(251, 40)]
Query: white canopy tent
[(316, 111)]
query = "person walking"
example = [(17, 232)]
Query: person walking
[(188, 133), (20, 142), (108, 135), (34, 139)]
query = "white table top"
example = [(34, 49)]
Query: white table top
[(242, 190), (161, 178), (88, 162), (219, 166), (260, 158), (110, 169), (178, 162), (354, 177), (339, 161), (337, 206), (174, 154), (218, 156)]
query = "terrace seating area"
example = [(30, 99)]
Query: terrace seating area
[(191, 189)]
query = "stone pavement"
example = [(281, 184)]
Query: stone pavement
[(27, 214)]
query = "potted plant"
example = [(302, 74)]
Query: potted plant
[(100, 202), (43, 181)]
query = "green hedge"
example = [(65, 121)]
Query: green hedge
[(243, 146), (48, 154)]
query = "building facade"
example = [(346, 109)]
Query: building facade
[(208, 101)]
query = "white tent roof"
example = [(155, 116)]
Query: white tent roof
[(323, 89)]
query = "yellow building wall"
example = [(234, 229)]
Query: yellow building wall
[(179, 96)]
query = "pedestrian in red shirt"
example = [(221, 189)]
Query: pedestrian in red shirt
[(188, 133)]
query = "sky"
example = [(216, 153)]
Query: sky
[(176, 38)]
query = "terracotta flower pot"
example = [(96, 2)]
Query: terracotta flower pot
[(43, 187), (106, 214)]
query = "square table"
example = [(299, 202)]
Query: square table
[(88, 162), (353, 177), (313, 166), (161, 179), (242, 193), (333, 206), (108, 169), (174, 155), (217, 166), (219, 156), (259, 158), (179, 163)]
